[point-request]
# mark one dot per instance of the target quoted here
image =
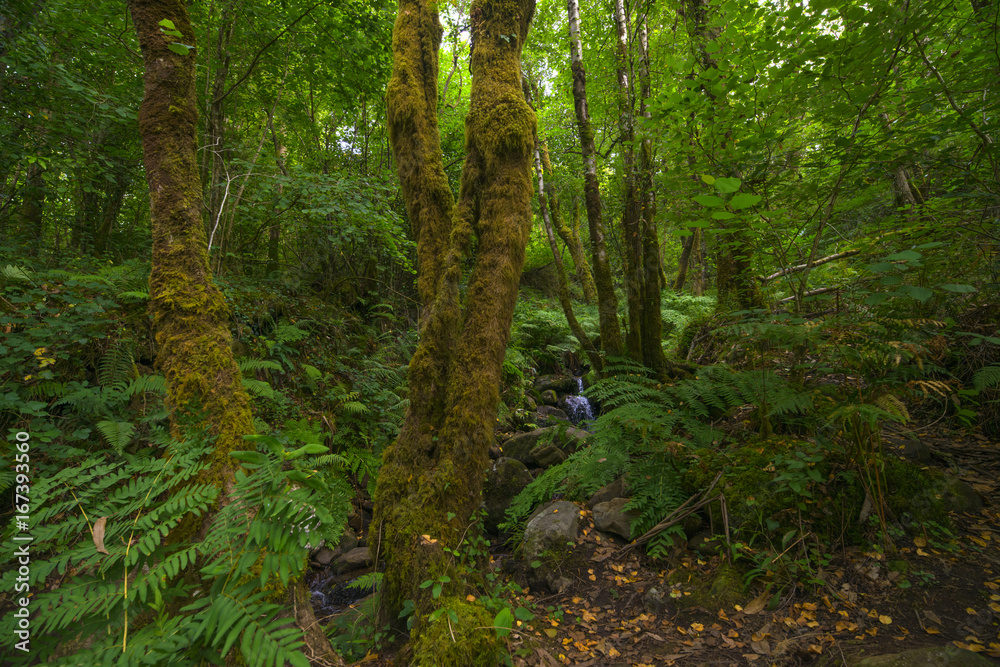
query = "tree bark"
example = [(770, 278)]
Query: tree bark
[(570, 234), (190, 317), (430, 483), (607, 302), (651, 334)]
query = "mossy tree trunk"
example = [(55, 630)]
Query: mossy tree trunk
[(430, 483), (190, 317)]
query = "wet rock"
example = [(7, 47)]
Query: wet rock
[(505, 479), (354, 559), (520, 446), (326, 555), (549, 397), (547, 455), (611, 517), (560, 384), (549, 415), (939, 656)]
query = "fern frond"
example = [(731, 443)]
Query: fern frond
[(258, 388), (154, 384), (254, 365), (117, 434), (986, 377)]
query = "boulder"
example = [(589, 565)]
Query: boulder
[(547, 455), (611, 517), (560, 384), (326, 555), (505, 479), (354, 559), (549, 415), (547, 537), (522, 445), (938, 656), (616, 489), (550, 529), (549, 397)]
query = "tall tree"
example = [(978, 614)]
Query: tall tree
[(190, 317), (607, 302), (431, 481)]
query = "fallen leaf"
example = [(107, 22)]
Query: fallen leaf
[(931, 630), (971, 611), (932, 617), (757, 604), (920, 541), (921, 552), (551, 632), (885, 620), (98, 533)]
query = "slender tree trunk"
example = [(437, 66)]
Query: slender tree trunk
[(570, 234), (631, 213), (651, 335), (430, 483), (564, 296), (113, 201), (607, 302), (32, 205)]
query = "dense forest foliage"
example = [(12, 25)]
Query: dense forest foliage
[(276, 272)]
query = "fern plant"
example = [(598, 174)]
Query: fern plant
[(118, 598)]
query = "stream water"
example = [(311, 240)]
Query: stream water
[(578, 407)]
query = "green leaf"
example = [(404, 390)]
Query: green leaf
[(919, 293), (727, 185), (504, 621), (249, 457), (708, 200), (180, 49), (880, 267), (523, 614), (744, 200), (708, 179), (723, 215), (961, 289), (168, 24), (907, 255)]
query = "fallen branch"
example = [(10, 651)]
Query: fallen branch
[(803, 267)]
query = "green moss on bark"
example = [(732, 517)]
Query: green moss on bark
[(190, 318)]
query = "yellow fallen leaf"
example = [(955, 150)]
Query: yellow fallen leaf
[(931, 630), (921, 552), (551, 632), (970, 610), (995, 607), (697, 627), (920, 541), (885, 620)]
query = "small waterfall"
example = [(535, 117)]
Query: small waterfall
[(578, 407)]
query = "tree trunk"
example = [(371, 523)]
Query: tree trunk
[(190, 317), (651, 333), (32, 205), (631, 214), (564, 296), (607, 302), (430, 484), (570, 234)]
